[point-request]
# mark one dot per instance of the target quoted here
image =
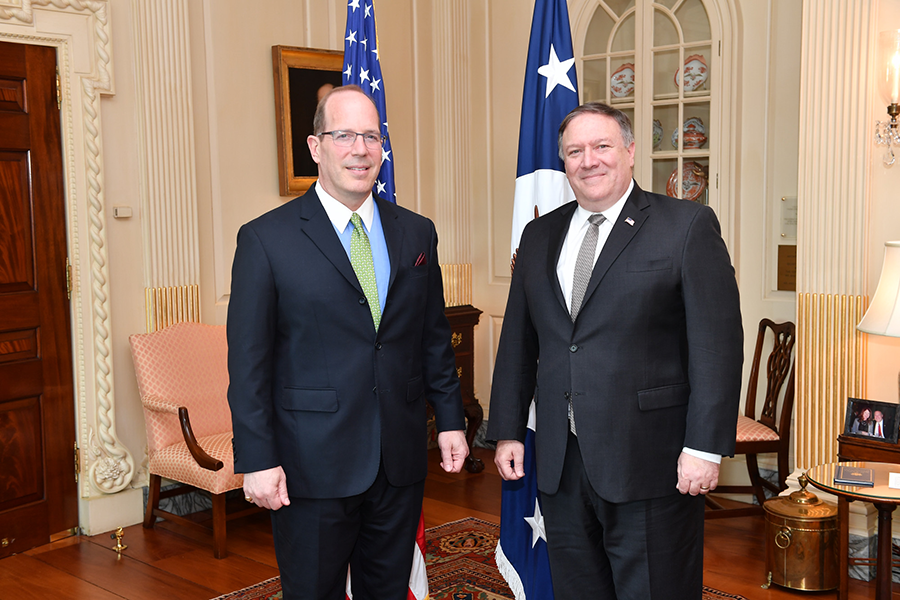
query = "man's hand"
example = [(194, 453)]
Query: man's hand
[(267, 489), (454, 450), (696, 476), (508, 457)]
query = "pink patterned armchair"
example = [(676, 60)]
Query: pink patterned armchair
[(182, 375)]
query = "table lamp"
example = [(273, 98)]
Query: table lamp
[(883, 315)]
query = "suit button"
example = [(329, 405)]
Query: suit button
[(362, 300), (378, 346), (573, 348)]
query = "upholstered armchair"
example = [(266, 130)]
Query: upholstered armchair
[(182, 376)]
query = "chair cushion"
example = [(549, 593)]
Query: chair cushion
[(176, 463), (749, 430)]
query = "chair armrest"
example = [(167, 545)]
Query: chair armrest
[(157, 404), (203, 459)]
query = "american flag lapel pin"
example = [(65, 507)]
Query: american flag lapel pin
[(630, 221)]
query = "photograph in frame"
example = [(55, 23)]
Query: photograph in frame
[(873, 420), (302, 76)]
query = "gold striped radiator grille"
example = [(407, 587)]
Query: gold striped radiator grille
[(169, 305), (831, 356)]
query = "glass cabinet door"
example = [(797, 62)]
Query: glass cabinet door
[(652, 59)]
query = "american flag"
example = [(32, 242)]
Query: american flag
[(362, 66), (541, 185)]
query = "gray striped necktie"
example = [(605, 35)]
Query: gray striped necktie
[(584, 266)]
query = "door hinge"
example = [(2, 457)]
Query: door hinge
[(58, 91), (68, 279), (77, 462)]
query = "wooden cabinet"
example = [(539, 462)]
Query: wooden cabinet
[(463, 320), (855, 448)]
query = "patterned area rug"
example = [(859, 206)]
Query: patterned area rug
[(460, 563)]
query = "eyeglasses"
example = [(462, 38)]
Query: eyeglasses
[(348, 138)]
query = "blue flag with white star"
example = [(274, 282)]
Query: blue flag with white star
[(521, 553), (550, 94), (363, 68), (541, 186)]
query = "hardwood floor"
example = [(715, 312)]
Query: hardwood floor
[(171, 562)]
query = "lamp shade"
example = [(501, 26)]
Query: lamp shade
[(888, 65), (883, 316)]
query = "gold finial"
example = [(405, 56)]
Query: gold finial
[(119, 547)]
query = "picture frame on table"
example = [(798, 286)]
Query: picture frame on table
[(302, 76), (864, 416)]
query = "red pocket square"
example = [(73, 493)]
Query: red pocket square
[(421, 260)]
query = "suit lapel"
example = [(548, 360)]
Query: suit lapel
[(632, 217), (393, 235), (558, 232), (316, 225)]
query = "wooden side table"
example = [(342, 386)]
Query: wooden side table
[(463, 320), (885, 500), (857, 448)]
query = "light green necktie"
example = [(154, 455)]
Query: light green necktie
[(361, 259)]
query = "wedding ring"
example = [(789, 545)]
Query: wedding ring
[(248, 498), (704, 489)]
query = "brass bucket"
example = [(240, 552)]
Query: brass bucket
[(801, 541)]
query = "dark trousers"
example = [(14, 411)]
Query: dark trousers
[(373, 533), (642, 550)]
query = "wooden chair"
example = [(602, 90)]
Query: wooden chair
[(771, 432), (182, 376)]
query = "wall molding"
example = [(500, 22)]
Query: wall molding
[(833, 192), (85, 65)]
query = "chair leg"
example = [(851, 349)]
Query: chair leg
[(755, 479), (218, 517), (782, 470), (152, 502)]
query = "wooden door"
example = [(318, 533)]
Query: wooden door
[(38, 491)]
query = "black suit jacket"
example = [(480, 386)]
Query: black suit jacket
[(653, 362), (312, 387)]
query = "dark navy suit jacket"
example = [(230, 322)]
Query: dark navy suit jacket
[(653, 362), (313, 388)]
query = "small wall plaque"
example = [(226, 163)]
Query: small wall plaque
[(788, 218), (787, 268)]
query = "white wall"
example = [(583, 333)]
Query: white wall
[(884, 225)]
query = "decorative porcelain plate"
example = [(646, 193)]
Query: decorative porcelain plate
[(694, 134), (657, 133), (693, 181), (621, 83), (695, 73)]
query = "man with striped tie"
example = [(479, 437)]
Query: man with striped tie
[(623, 323)]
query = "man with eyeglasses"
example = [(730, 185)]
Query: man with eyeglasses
[(336, 336)]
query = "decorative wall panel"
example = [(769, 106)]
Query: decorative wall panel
[(168, 172), (831, 227)]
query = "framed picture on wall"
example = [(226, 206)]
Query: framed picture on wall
[(302, 76), (877, 421)]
